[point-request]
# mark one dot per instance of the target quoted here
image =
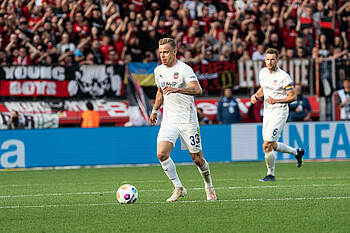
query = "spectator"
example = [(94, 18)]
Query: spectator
[(90, 118), (240, 26), (274, 41), (288, 33), (112, 57), (81, 25), (80, 51), (299, 110), (14, 121), (149, 57), (106, 46), (94, 16), (90, 59), (202, 119), (189, 59), (343, 101), (23, 58), (3, 58), (68, 27), (228, 110), (65, 45), (256, 111), (95, 50), (259, 54)]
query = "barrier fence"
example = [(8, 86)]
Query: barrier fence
[(137, 145)]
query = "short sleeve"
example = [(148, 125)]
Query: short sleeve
[(156, 78), (189, 75), (287, 82)]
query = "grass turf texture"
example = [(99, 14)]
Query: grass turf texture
[(313, 198)]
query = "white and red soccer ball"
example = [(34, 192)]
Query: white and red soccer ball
[(127, 194)]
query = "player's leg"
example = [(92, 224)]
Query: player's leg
[(204, 170), (191, 140), (163, 152), (272, 127), (165, 142), (283, 148), (298, 153), (270, 158)]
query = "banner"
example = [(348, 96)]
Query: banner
[(86, 81), (118, 112), (143, 73), (69, 112), (248, 71), (140, 107), (321, 140), (31, 121), (34, 88), (215, 76), (221, 143)]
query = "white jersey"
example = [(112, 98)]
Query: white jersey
[(274, 85), (177, 107)]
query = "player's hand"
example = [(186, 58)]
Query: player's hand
[(254, 99), (168, 90), (271, 100), (153, 118), (307, 117)]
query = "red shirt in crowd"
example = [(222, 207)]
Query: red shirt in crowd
[(289, 36), (188, 40), (105, 49), (119, 45), (82, 30), (23, 61)]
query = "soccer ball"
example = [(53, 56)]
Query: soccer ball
[(127, 194)]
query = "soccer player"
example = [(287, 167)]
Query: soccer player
[(177, 85), (277, 90)]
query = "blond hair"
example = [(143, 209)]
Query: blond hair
[(272, 51), (169, 41)]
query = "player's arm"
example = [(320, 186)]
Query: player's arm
[(257, 96), (194, 88), (156, 106), (291, 96)]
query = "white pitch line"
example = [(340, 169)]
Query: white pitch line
[(259, 199), (165, 181), (168, 190), (193, 201), (55, 194)]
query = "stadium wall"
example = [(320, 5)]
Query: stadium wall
[(137, 145)]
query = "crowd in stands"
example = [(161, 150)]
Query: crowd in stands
[(71, 32)]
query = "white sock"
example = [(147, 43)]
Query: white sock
[(270, 162), (283, 148), (170, 170), (205, 173)]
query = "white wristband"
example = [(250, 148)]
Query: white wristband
[(154, 111)]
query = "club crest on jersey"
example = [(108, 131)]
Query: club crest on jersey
[(274, 82), (176, 75)]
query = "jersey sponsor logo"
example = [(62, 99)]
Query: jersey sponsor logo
[(176, 75), (274, 82), (160, 76), (168, 84)]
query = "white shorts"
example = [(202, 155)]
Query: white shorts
[(273, 122), (189, 135)]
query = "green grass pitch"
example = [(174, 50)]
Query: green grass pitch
[(313, 198)]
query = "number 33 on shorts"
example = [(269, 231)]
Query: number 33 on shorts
[(194, 139)]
